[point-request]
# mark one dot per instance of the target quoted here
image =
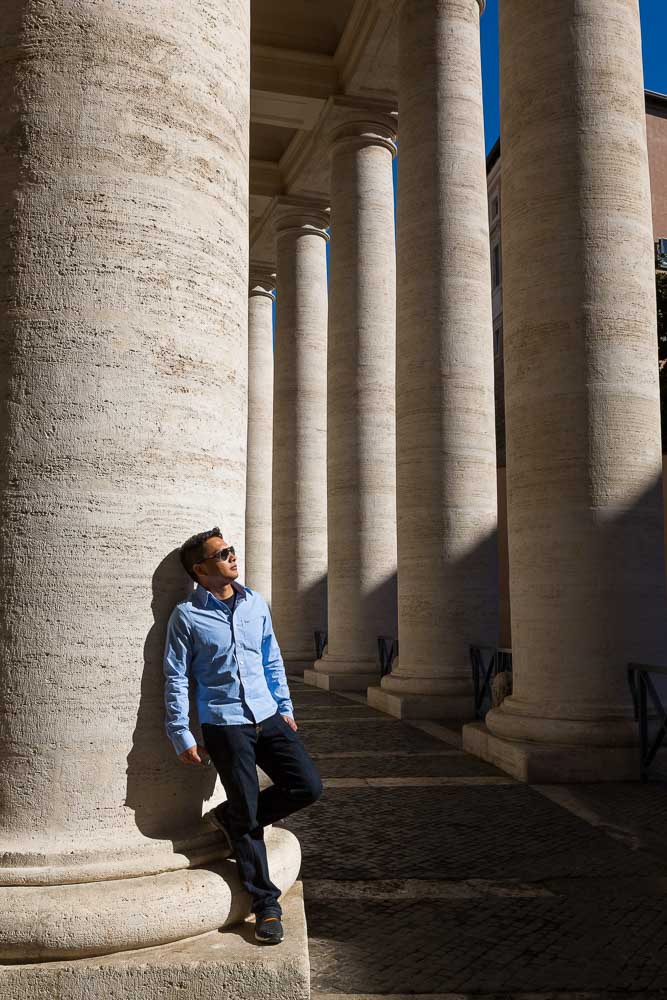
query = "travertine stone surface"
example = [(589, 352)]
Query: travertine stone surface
[(299, 555), (582, 408), (446, 475), (361, 451), (46, 923), (260, 428), (211, 966), (123, 354)]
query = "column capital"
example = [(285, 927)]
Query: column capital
[(262, 279), (374, 130), (296, 216)]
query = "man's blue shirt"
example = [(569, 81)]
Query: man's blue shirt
[(233, 660)]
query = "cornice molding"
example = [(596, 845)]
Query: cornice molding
[(265, 178), (358, 30), (289, 71)]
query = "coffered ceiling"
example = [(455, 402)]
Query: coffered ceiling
[(303, 53)]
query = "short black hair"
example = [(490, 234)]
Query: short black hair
[(191, 552)]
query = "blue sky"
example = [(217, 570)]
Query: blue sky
[(654, 41)]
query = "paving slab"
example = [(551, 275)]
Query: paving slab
[(452, 764), (507, 831), (474, 889), (486, 944), (340, 734)]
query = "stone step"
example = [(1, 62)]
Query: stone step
[(220, 965)]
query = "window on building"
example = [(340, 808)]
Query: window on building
[(498, 340), (496, 276), (495, 207)]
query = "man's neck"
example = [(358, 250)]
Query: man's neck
[(222, 591)]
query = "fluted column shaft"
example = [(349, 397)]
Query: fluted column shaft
[(446, 462), (361, 451), (299, 562), (581, 373), (260, 430)]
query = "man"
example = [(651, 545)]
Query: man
[(222, 637)]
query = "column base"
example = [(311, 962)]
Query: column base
[(420, 706), (297, 668), (330, 680), (213, 966), (547, 764), (107, 917)]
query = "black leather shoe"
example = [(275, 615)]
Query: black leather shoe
[(269, 930)]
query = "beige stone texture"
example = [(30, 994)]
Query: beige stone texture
[(123, 353), (504, 604), (212, 966), (299, 553), (45, 923), (330, 681), (446, 462), (584, 473), (361, 450), (260, 428), (554, 764)]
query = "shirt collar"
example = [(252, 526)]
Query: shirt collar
[(204, 597)]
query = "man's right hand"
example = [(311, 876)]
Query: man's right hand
[(192, 755)]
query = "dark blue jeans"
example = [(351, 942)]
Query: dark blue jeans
[(236, 751)]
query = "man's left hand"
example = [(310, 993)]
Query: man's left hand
[(290, 722)]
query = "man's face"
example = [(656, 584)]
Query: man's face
[(214, 569)]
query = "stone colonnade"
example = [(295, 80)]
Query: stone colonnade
[(124, 391), (583, 448)]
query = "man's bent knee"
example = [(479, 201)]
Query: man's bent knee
[(309, 791)]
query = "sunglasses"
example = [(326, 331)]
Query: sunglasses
[(222, 555)]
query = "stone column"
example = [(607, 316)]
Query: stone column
[(123, 354), (445, 425), (299, 560), (582, 403), (361, 450), (260, 428)]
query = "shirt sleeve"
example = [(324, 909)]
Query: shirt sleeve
[(177, 658), (274, 669)]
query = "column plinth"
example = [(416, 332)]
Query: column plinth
[(299, 550), (361, 456), (445, 434), (584, 467), (261, 298), (123, 373)]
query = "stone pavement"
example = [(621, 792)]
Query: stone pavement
[(429, 874)]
